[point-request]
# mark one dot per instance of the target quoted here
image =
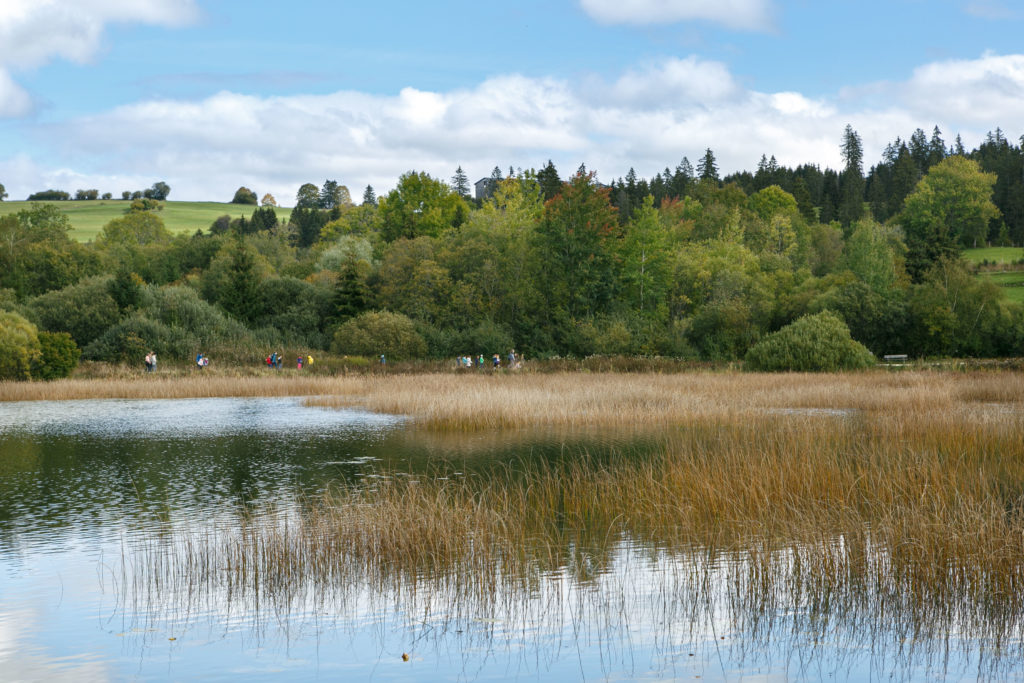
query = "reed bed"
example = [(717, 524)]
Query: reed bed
[(446, 402), (861, 496), (909, 509), (191, 385)]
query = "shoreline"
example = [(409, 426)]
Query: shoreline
[(480, 401)]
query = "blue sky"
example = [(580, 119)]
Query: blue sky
[(208, 95)]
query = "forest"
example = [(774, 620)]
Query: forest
[(686, 264)]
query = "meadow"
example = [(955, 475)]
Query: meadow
[(89, 217), (999, 255), (1011, 282)]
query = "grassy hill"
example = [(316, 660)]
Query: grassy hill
[(89, 217), (1005, 255), (1011, 281)]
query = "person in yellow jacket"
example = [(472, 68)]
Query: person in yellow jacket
[(309, 360)]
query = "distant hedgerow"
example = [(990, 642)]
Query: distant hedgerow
[(813, 343)]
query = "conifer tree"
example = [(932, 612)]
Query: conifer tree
[(851, 202), (707, 167), (240, 295), (351, 295), (803, 200), (550, 183), (460, 183), (369, 196)]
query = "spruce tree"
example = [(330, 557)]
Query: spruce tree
[(904, 178), (682, 178), (851, 202), (330, 195), (936, 148), (707, 167), (369, 196), (351, 295), (240, 295), (919, 150), (804, 203), (550, 183), (460, 183)]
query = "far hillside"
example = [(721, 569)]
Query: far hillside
[(1004, 267), (995, 255), (89, 217)]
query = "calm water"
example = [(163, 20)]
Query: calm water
[(88, 488)]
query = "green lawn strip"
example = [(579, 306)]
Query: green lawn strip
[(89, 217), (1011, 282), (1014, 294), (1013, 278), (994, 254)]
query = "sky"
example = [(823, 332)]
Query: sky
[(210, 95)]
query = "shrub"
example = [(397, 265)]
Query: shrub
[(377, 332), (143, 204), (130, 339), (85, 310), (819, 342), (19, 346), (181, 307), (58, 356), (488, 338)]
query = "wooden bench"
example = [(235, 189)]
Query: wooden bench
[(895, 358)]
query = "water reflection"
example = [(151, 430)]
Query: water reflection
[(101, 500)]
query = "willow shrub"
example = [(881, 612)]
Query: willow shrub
[(377, 332), (58, 356), (813, 343), (19, 346)]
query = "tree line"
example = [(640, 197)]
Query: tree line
[(686, 264)]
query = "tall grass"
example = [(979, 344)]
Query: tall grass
[(905, 503), (882, 513), (487, 402)]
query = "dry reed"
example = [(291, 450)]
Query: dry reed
[(908, 506), (572, 400), (899, 493)]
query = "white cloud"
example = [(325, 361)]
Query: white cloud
[(747, 15), (673, 83), (34, 32), (14, 101), (988, 91), (647, 118)]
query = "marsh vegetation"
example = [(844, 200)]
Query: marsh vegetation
[(868, 512)]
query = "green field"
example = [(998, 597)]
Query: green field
[(1012, 283), (994, 254), (89, 217)]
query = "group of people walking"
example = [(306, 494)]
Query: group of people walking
[(513, 361), (276, 359)]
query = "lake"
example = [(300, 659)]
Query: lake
[(107, 508)]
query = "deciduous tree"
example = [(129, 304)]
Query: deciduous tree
[(308, 197), (244, 195), (950, 209), (420, 205)]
